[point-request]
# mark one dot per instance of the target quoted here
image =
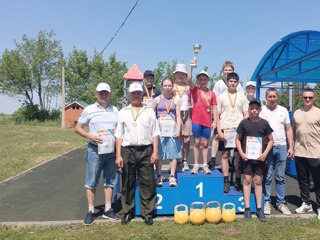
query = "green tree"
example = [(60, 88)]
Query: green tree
[(33, 67), (113, 75), (79, 84), (83, 74), (162, 70), (15, 76)]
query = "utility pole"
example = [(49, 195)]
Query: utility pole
[(62, 97)]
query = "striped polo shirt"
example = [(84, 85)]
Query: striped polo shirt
[(99, 119)]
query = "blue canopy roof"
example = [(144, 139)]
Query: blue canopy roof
[(295, 58)]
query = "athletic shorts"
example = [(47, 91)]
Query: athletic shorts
[(253, 167), (200, 131)]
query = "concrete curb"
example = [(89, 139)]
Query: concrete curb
[(138, 219)]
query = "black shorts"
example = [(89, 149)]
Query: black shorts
[(222, 148), (222, 144), (253, 167)]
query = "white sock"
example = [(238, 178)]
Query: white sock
[(91, 209), (204, 165), (107, 206)]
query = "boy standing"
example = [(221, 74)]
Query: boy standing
[(254, 141), (232, 108)]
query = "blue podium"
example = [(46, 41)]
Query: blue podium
[(195, 188)]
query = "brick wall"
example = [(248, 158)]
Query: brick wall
[(72, 114)]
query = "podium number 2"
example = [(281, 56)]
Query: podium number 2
[(200, 186), (160, 198)]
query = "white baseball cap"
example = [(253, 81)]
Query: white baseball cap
[(250, 83), (103, 87), (203, 73), (180, 67), (135, 87)]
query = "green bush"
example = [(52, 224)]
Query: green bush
[(33, 113)]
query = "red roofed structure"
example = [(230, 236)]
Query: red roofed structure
[(133, 74)]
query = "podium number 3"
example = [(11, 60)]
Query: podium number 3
[(200, 186)]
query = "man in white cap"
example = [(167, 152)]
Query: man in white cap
[(101, 118), (136, 153), (182, 92)]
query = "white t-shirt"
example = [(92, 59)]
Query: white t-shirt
[(277, 119), (220, 87), (231, 117)]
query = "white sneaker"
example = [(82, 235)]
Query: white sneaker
[(185, 166), (304, 208), (318, 210), (267, 208), (195, 169), (160, 181), (205, 169), (284, 209), (172, 181)]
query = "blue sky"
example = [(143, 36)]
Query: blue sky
[(161, 30)]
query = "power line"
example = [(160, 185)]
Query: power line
[(120, 27)]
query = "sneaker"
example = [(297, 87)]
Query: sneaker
[(148, 220), (261, 216), (205, 169), (110, 215), (267, 208), (318, 210), (185, 166), (247, 214), (160, 181), (172, 181), (195, 169), (89, 219), (284, 209), (212, 164), (226, 187), (126, 218), (238, 186), (304, 208)]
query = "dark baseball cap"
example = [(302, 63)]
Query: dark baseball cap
[(255, 101), (148, 73)]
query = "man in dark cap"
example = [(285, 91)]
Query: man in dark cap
[(149, 90)]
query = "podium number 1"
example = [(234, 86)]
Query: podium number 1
[(200, 186)]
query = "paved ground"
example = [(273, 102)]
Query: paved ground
[(54, 192)]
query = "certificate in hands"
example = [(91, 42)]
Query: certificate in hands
[(147, 101), (107, 145), (230, 135), (253, 147), (167, 126)]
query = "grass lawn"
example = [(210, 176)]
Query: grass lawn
[(24, 146), (273, 229)]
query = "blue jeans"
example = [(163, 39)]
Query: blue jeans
[(96, 163), (277, 159)]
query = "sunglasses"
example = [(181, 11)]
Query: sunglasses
[(306, 98)]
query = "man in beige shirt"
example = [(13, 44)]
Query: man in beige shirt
[(306, 126)]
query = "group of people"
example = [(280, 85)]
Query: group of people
[(158, 125)]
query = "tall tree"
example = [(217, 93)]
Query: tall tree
[(15, 76), (33, 67), (83, 74), (78, 76)]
